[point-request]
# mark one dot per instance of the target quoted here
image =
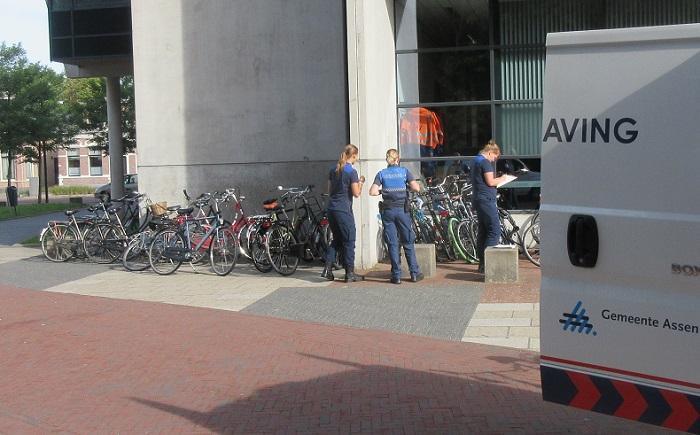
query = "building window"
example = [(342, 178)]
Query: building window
[(95, 162), (470, 70), (5, 167), (29, 169), (73, 162)]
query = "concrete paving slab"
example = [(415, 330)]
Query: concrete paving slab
[(501, 322), (413, 309), (203, 289)]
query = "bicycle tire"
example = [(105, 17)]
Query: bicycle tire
[(55, 242), (279, 245), (95, 243), (257, 250), (467, 240), (243, 235), (452, 225), (160, 261), (223, 251), (531, 246), (135, 256)]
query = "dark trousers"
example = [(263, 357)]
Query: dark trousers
[(342, 226), (489, 225), (398, 231)]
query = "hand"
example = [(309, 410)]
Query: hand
[(362, 178)]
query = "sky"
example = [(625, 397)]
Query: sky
[(27, 22)]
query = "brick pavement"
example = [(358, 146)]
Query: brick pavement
[(81, 364)]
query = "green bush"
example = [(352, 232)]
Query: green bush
[(71, 190)]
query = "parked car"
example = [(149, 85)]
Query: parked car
[(519, 197), (131, 184)]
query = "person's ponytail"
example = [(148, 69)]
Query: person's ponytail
[(349, 151)]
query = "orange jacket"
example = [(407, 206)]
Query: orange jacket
[(422, 126)]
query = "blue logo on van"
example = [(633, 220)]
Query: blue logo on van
[(577, 320)]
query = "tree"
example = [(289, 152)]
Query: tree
[(33, 120), (86, 100), (13, 78), (49, 124)]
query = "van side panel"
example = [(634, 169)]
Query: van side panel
[(621, 143)]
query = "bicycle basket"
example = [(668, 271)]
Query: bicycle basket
[(159, 208)]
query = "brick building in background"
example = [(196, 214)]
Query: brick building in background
[(22, 171), (79, 165)]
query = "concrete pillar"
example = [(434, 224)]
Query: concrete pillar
[(372, 108), (116, 148)]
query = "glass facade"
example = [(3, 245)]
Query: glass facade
[(475, 68), (89, 28)]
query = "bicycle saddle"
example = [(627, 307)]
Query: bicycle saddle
[(114, 210), (70, 212), (270, 204), (173, 208), (184, 211)]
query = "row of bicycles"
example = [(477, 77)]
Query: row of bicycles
[(443, 214), (294, 228), (142, 234)]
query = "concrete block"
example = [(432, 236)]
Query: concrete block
[(501, 264), (425, 254)]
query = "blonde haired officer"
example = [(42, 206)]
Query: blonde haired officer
[(392, 183), (484, 184)]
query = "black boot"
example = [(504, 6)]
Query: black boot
[(328, 272), (351, 276)]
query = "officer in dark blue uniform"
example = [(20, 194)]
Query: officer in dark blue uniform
[(484, 198), (343, 185), (393, 182)]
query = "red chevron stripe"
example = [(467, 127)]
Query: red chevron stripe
[(587, 395), (619, 371), (683, 415), (633, 404)]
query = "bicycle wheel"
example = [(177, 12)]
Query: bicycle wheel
[(280, 246), (166, 252), (467, 240), (98, 243), (223, 251), (257, 250), (58, 242), (531, 243), (197, 233), (243, 235), (452, 225), (135, 256), (325, 236)]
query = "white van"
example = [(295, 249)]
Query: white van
[(620, 308)]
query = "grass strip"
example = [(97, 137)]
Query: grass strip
[(27, 210)]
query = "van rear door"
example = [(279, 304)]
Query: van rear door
[(620, 308)]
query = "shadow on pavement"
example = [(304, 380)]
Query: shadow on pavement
[(389, 399)]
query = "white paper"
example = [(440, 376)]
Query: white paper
[(508, 179)]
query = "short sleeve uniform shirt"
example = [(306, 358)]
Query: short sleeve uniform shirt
[(480, 190), (340, 195), (393, 181)]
